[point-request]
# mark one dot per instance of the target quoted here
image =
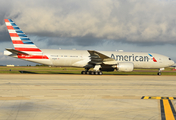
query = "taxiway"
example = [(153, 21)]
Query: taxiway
[(83, 97)]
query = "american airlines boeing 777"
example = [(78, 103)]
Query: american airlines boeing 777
[(100, 61)]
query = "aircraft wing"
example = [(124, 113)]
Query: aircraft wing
[(16, 51), (99, 58)]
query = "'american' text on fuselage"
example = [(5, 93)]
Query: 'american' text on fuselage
[(130, 58)]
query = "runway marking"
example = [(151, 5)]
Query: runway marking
[(166, 106), (159, 98), (167, 110)]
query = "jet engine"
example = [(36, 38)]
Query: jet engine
[(124, 67), (107, 68)]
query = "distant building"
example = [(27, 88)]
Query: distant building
[(10, 65)]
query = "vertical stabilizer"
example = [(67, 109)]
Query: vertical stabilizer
[(20, 40)]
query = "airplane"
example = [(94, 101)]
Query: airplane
[(100, 61)]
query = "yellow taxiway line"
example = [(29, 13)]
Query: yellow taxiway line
[(166, 106), (159, 98), (167, 109)]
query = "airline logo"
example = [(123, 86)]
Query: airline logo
[(133, 58), (154, 60), (130, 58), (22, 43)]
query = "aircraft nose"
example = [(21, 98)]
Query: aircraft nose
[(172, 62)]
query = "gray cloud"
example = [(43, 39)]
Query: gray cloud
[(131, 25), (80, 21)]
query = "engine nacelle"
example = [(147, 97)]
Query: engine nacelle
[(107, 68), (125, 67)]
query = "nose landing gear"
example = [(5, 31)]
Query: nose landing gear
[(159, 71)]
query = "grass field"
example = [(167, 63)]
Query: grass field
[(71, 70)]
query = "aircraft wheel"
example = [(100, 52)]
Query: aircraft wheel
[(95, 73), (100, 73), (83, 72), (159, 73), (90, 72)]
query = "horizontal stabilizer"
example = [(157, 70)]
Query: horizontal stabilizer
[(16, 51)]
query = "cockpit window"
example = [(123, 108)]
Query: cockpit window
[(169, 58)]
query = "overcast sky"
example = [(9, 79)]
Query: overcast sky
[(129, 25)]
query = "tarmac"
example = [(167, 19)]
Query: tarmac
[(86, 97)]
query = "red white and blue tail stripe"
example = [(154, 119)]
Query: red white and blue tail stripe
[(24, 47), (20, 40)]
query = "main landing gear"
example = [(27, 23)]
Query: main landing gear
[(96, 71), (92, 72)]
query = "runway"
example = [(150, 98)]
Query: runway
[(83, 97)]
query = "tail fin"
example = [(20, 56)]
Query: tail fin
[(20, 41)]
